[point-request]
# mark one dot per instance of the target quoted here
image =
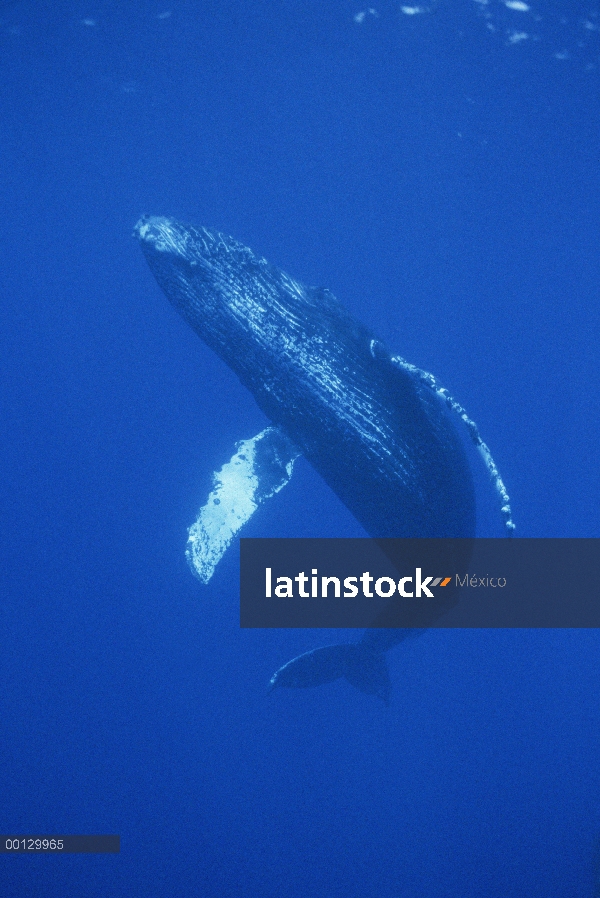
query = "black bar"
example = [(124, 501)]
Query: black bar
[(419, 583), (53, 844)]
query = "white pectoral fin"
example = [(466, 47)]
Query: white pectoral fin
[(260, 467)]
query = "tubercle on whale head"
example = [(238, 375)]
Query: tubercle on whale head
[(163, 235), (150, 228), (194, 245)]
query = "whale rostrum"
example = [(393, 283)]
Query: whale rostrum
[(376, 428)]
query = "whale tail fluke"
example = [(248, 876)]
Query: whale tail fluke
[(363, 667), (368, 672)]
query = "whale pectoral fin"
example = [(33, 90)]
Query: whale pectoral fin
[(259, 468)]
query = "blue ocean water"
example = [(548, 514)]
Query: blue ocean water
[(436, 166)]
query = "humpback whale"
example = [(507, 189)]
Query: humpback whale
[(376, 428)]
